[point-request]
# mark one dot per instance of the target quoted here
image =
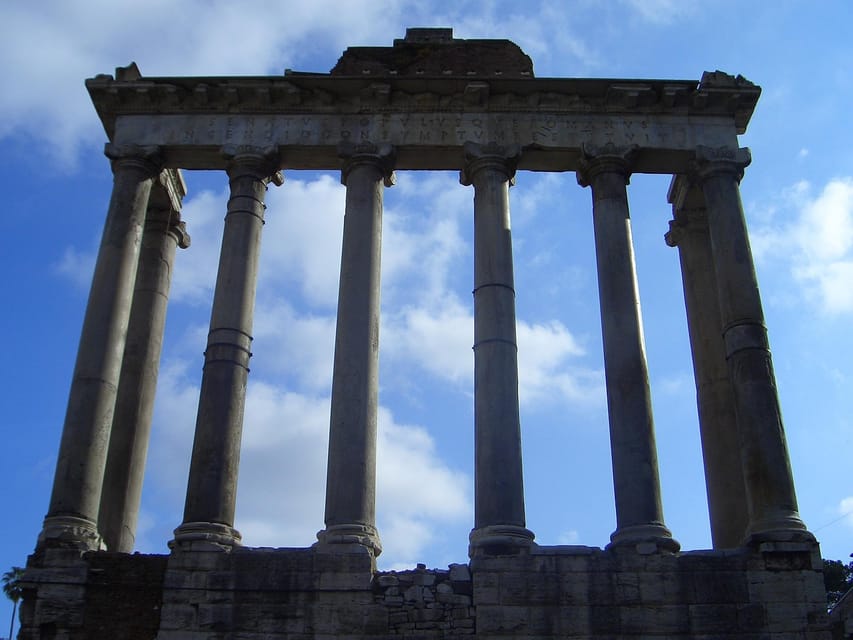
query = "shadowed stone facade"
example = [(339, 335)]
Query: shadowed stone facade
[(428, 102)]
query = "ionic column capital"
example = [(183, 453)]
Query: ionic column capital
[(381, 156), (711, 161), (178, 228), (607, 158), (686, 221), (167, 220), (260, 163), (146, 158), (489, 156)]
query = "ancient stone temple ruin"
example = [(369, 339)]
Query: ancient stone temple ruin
[(429, 102)]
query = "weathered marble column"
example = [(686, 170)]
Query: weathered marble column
[(212, 486), (128, 449), (73, 513), (351, 472), (714, 395), (639, 514), (767, 474), (499, 519)]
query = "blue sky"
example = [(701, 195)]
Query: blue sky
[(798, 197)]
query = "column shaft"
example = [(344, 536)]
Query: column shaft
[(639, 513), (212, 485), (767, 473), (714, 395), (499, 518), (351, 472), (128, 448), (74, 502)]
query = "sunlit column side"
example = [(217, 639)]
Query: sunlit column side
[(499, 518), (639, 514), (212, 485), (128, 449), (714, 396), (771, 498), (73, 513), (351, 472)]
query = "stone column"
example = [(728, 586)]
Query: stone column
[(639, 514), (714, 396), (212, 485), (771, 499), (499, 520), (351, 472), (128, 449), (73, 513)]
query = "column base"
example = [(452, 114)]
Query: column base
[(205, 536), (645, 538), (500, 540), (347, 534), (786, 527), (70, 532)]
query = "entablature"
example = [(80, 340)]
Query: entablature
[(427, 118)]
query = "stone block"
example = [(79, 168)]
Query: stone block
[(713, 618), (601, 587), (376, 620), (575, 621), (604, 620), (349, 581), (709, 587), (626, 588), (215, 617), (342, 559), (751, 617), (198, 560), (177, 617), (425, 578), (664, 619), (663, 588), (787, 617), (398, 617), (574, 589), (387, 580), (502, 619), (460, 573)]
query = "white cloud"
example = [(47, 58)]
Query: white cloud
[(417, 494), (298, 346), (302, 237), (661, 12), (283, 467), (816, 243), (281, 489), (845, 509), (436, 339), (194, 273), (568, 537), (53, 57), (412, 479), (77, 266), (543, 375), (677, 384)]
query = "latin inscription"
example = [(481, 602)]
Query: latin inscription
[(412, 129), (425, 140)]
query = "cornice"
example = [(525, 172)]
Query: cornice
[(129, 93)]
